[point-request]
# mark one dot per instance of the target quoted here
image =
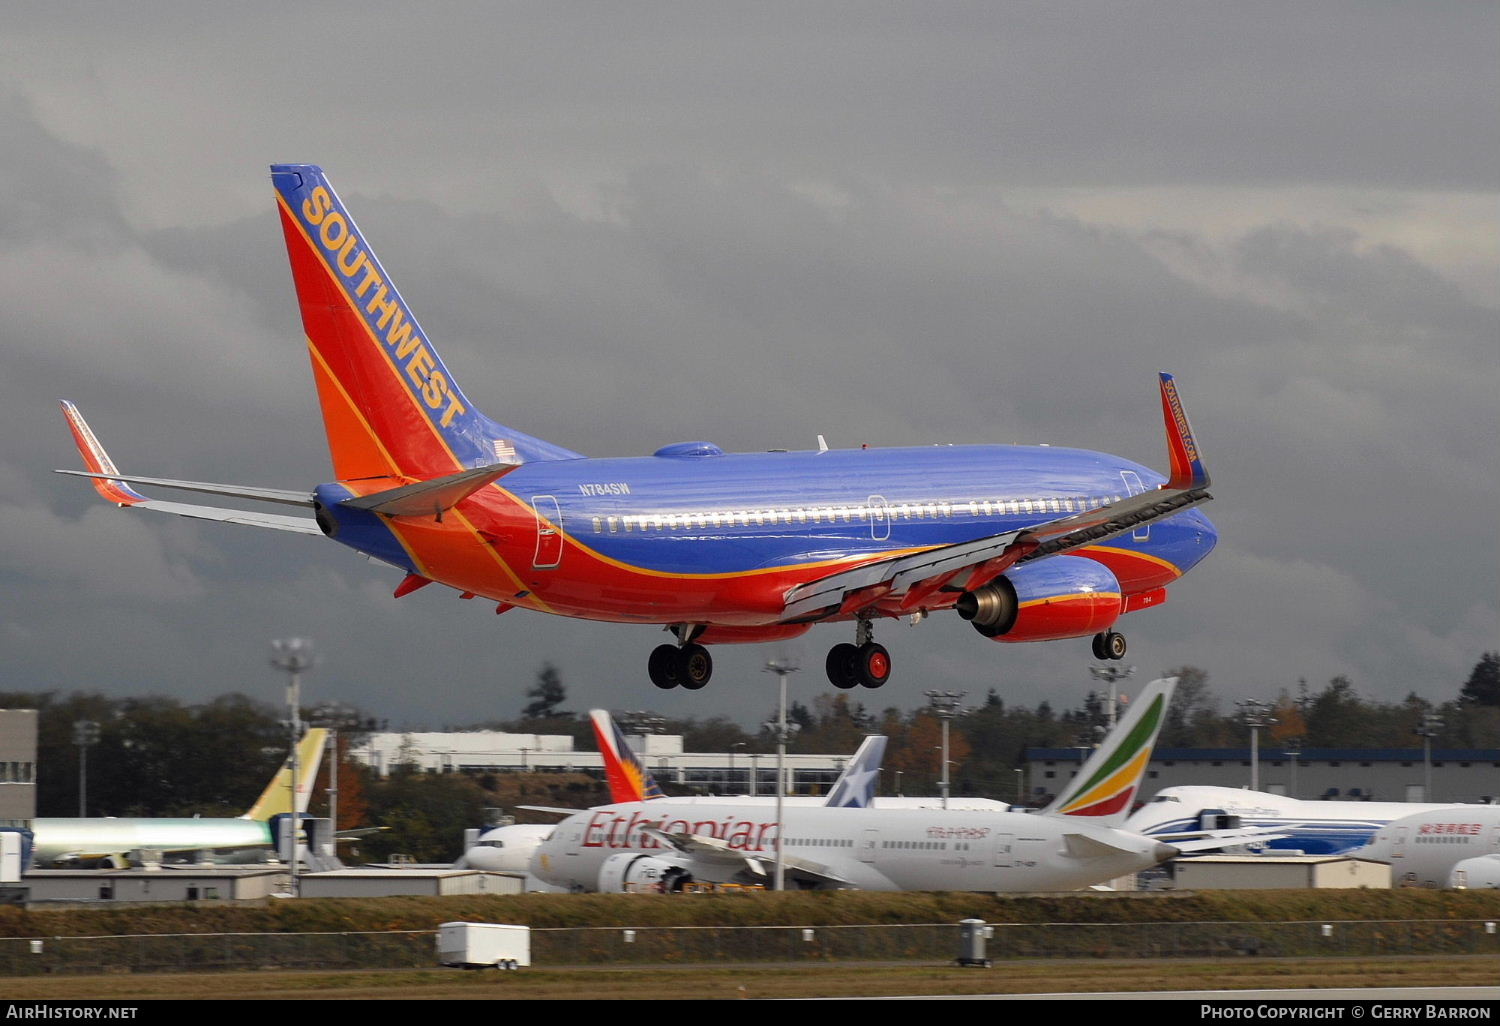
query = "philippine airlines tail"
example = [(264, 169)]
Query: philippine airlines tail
[(391, 408), (275, 800), (1107, 784), (629, 781), (623, 769)]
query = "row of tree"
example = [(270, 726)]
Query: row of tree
[(987, 743)]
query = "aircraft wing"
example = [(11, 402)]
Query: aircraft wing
[(551, 809), (711, 858), (115, 487), (851, 590), (1211, 840)]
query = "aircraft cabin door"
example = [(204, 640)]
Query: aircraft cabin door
[(1133, 486), (868, 843), (549, 534), (1005, 850), (880, 518)]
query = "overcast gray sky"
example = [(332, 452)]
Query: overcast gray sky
[(627, 224)]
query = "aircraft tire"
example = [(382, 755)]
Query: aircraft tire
[(843, 666), (662, 667), (874, 664), (1100, 652), (694, 666), (1114, 645)]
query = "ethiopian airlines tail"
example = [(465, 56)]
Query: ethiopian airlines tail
[(1107, 784), (390, 406), (275, 800)]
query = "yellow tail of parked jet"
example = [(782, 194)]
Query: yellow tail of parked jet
[(275, 800)]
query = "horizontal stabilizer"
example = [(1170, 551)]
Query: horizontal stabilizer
[(430, 498), (1085, 846)]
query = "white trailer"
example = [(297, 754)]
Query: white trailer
[(483, 945)]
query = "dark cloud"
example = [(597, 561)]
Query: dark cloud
[(629, 226)]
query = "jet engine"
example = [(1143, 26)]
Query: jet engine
[(1482, 871), (632, 871), (1061, 597)]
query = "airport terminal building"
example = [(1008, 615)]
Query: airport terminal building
[(1347, 774), (489, 751)]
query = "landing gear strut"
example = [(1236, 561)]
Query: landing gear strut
[(1109, 645), (866, 664), (688, 666)]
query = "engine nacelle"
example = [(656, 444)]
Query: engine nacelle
[(1061, 597), (632, 871), (1482, 871)]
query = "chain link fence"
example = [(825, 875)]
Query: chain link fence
[(935, 942)]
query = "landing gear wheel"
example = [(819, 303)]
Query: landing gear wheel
[(843, 666), (1100, 653), (1114, 645), (874, 665), (694, 666), (662, 666)]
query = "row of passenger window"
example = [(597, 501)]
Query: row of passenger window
[(845, 514)]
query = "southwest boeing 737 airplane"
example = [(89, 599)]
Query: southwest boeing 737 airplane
[(1028, 543)]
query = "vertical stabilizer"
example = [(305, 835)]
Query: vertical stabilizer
[(275, 800), (1109, 782), (855, 787), (390, 406), (627, 776)]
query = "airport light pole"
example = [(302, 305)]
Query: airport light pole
[(1112, 675), (737, 744), (781, 668), (294, 657), (1292, 749), (1429, 728), (85, 733), (945, 706), (1255, 715)]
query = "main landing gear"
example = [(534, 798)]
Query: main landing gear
[(1109, 645), (864, 664), (688, 666)]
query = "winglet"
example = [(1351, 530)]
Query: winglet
[(1186, 461), (627, 776), (98, 461), (1107, 784)]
